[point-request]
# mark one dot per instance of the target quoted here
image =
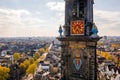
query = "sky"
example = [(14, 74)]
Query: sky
[(28, 18)]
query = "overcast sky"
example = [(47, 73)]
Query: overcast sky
[(20, 18)]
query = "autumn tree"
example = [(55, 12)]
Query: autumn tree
[(41, 51), (36, 55), (99, 52), (22, 65), (47, 50), (31, 60), (36, 62), (31, 69), (16, 56), (26, 63), (109, 57), (46, 47), (100, 43), (22, 68), (104, 54), (4, 73)]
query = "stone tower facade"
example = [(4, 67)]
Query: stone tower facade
[(78, 44)]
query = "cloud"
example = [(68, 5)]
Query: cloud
[(108, 22), (56, 6), (61, 18), (10, 16), (16, 22)]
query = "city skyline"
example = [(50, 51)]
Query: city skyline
[(27, 18)]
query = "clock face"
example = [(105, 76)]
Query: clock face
[(77, 27)]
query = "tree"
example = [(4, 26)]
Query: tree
[(31, 69), (47, 50), (104, 54), (109, 57), (31, 60), (41, 51), (22, 69), (100, 43), (36, 55), (22, 65), (4, 73), (26, 63), (16, 56), (36, 62), (99, 52), (46, 46)]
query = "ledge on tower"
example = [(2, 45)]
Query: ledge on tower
[(79, 38)]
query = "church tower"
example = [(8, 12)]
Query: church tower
[(78, 43)]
